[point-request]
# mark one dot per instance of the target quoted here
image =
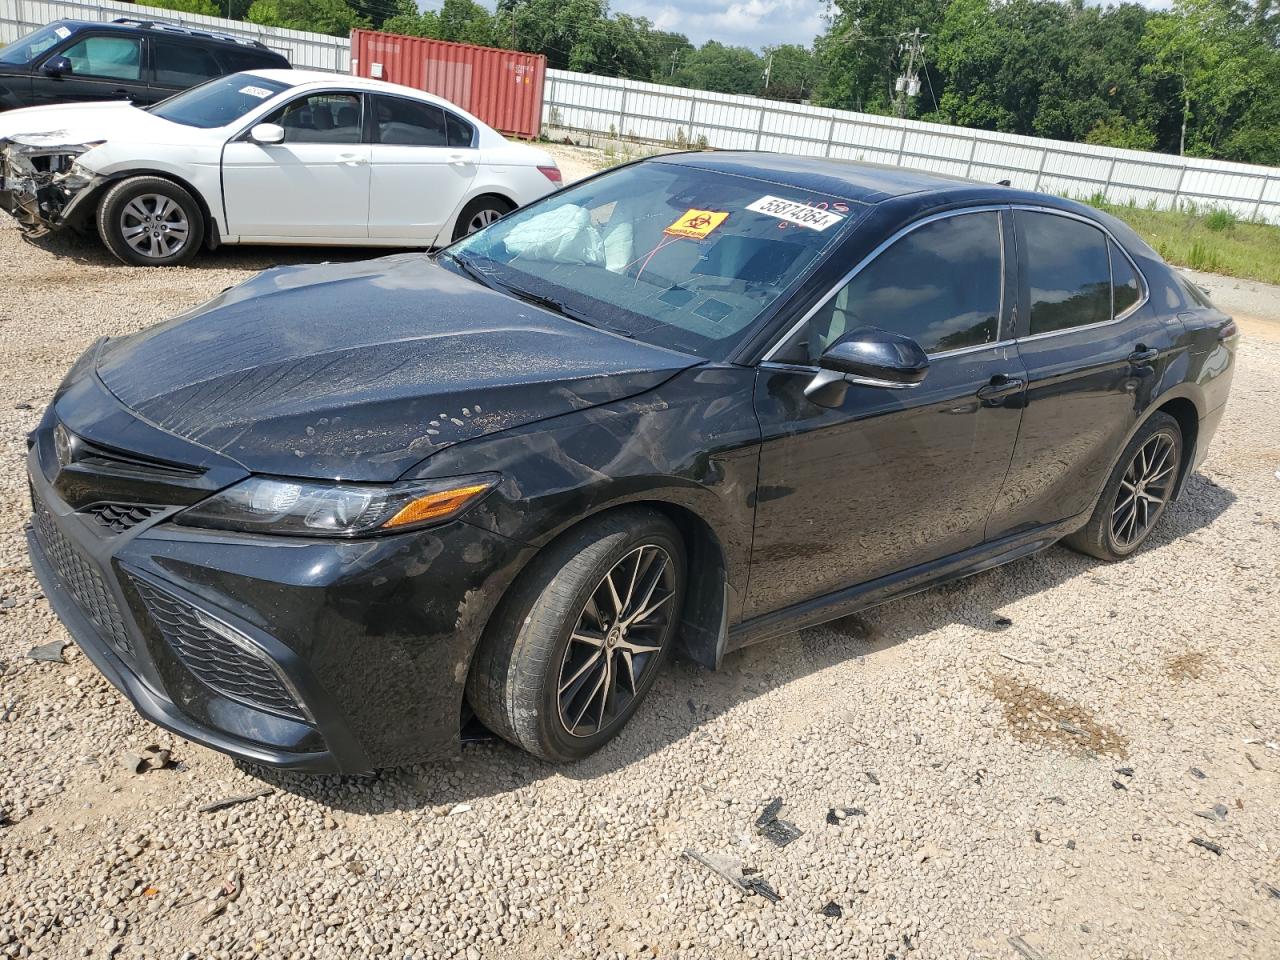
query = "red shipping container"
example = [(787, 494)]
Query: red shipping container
[(503, 88)]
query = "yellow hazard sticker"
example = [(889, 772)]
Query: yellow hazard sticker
[(696, 224)]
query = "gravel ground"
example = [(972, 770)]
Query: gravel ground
[(1021, 761)]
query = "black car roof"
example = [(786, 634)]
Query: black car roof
[(852, 180), (132, 25)]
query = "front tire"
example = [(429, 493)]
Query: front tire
[(1137, 493), (580, 638), (150, 222)]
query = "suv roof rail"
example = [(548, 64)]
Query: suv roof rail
[(173, 26)]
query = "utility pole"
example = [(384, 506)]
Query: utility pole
[(675, 59), (768, 69), (907, 84)]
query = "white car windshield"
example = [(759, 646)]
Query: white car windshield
[(28, 48), (669, 253), (219, 102)]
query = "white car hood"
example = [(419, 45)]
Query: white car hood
[(75, 123)]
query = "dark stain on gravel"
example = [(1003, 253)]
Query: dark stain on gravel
[(1187, 666), (1040, 718)]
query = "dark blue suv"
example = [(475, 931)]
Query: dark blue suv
[(139, 60)]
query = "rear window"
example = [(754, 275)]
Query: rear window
[(409, 123), (181, 64), (1068, 270)]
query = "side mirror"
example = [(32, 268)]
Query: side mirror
[(869, 357), (267, 133), (57, 66)]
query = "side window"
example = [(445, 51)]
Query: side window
[(409, 123), (320, 118), (460, 132), (940, 284), (235, 59), (119, 58), (1068, 271), (1124, 281), (180, 64)]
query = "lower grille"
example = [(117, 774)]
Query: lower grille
[(83, 581), (120, 517), (218, 655)]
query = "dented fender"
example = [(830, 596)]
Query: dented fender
[(41, 181)]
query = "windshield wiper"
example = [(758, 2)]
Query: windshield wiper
[(477, 275)]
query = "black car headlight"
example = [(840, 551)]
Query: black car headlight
[(307, 509)]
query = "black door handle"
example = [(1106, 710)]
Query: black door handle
[(1143, 356), (124, 95), (1001, 386)]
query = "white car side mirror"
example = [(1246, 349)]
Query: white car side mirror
[(267, 133)]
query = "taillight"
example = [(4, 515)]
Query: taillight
[(552, 173)]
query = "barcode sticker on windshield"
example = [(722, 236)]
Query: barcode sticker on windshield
[(62, 32), (260, 92), (800, 214)]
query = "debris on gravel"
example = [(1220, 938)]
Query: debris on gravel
[(587, 861), (226, 802), (47, 652)]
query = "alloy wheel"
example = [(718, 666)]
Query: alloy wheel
[(616, 641), (154, 225), (482, 219), (1144, 491)]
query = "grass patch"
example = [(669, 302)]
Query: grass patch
[(1216, 241)]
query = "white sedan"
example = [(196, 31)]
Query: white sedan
[(266, 156)]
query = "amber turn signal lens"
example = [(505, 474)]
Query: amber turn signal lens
[(436, 505)]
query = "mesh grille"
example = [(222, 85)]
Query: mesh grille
[(119, 517), (84, 583), (215, 660)]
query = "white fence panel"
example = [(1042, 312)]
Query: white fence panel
[(607, 106)]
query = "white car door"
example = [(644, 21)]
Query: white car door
[(315, 184), (418, 178)]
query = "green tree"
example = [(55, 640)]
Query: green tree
[(713, 66), (319, 16), (1120, 131), (462, 21), (202, 8), (791, 71)]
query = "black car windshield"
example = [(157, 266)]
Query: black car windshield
[(28, 48), (219, 102), (669, 253)]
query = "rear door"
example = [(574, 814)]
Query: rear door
[(424, 161), (890, 478), (178, 64), (315, 184), (104, 66), (1094, 352)]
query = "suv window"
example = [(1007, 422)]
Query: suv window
[(321, 118), (1068, 271), (940, 285), (1124, 281), (119, 58), (28, 48), (235, 59), (460, 132), (181, 64), (409, 123)]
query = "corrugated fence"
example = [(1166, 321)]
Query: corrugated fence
[(651, 112)]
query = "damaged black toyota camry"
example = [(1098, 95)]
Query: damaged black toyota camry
[(326, 518)]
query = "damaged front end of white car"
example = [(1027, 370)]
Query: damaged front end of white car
[(42, 183)]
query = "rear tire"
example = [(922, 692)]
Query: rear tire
[(1137, 493), (478, 214), (545, 657), (150, 222)]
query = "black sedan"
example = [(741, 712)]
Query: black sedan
[(686, 405)]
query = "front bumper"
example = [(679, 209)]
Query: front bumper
[(312, 655), (39, 197)]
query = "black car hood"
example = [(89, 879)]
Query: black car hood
[(359, 371)]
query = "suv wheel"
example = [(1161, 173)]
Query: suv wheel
[(1137, 493), (578, 641), (150, 222)]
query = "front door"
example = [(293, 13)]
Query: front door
[(103, 67), (422, 169), (890, 478), (315, 184), (1094, 353)]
